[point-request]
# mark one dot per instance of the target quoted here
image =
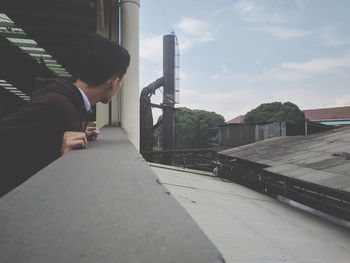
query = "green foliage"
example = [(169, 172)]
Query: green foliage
[(191, 128), (274, 112)]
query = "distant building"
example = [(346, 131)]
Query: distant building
[(329, 116), (238, 119)]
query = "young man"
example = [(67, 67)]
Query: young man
[(54, 121)]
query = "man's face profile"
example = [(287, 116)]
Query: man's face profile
[(111, 87)]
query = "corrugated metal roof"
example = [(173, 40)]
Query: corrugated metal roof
[(247, 226), (321, 158)]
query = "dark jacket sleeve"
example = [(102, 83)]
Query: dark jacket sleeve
[(31, 138), (20, 139), (24, 125), (39, 125)]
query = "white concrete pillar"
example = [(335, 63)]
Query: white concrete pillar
[(130, 107)]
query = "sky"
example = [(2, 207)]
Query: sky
[(237, 54)]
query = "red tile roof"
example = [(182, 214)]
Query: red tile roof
[(328, 113), (238, 119)]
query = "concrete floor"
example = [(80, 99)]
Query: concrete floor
[(247, 226)]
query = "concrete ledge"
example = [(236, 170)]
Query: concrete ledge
[(102, 204), (180, 169)]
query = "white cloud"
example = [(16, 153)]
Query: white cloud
[(192, 32), (219, 11), (226, 75), (183, 74), (246, 7), (292, 71), (206, 99), (330, 37), (339, 41), (149, 74), (254, 11), (306, 83), (342, 101), (196, 28), (301, 5), (232, 103), (229, 114), (222, 102), (303, 97), (151, 48), (283, 31), (271, 18), (156, 113), (319, 65), (284, 75)]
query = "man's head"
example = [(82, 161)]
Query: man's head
[(102, 63)]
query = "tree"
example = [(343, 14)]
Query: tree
[(191, 128), (274, 112)]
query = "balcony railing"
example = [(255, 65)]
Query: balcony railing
[(101, 204)]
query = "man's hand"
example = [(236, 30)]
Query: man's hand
[(92, 133), (72, 141)]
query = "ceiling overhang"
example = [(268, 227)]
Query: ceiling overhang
[(40, 38)]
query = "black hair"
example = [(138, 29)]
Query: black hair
[(99, 59)]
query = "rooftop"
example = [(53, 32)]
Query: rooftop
[(247, 226), (337, 113), (322, 158), (238, 119)]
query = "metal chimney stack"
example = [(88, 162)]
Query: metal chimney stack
[(169, 95)]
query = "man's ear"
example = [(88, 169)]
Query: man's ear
[(111, 83), (117, 82)]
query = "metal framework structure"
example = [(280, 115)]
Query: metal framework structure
[(170, 84)]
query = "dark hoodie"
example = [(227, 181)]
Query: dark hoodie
[(31, 138)]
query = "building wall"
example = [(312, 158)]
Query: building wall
[(124, 107), (241, 134)]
